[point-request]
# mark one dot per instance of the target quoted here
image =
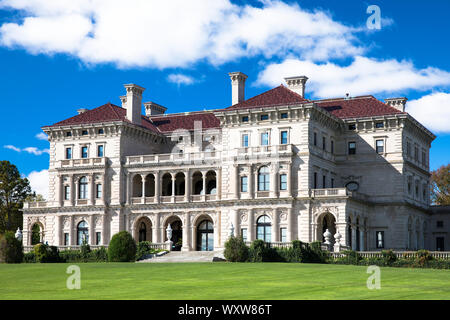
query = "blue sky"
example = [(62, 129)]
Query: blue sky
[(58, 56)]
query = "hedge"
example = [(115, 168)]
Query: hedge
[(11, 249), (122, 248)]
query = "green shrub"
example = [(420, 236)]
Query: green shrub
[(236, 250), (423, 257), (122, 248), (389, 257), (85, 251), (70, 256), (29, 257), (11, 249), (143, 249), (257, 251), (99, 255), (46, 254)]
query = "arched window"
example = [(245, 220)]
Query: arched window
[(263, 228), (142, 232), (263, 179), (205, 236), (82, 192), (82, 233)]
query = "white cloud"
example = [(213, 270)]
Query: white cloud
[(39, 182), (175, 33), (432, 110), (42, 136), (32, 150), (180, 79), (362, 76)]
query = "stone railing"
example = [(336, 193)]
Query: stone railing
[(333, 192), (157, 246), (163, 158), (276, 244), (398, 254), (35, 204), (265, 150), (85, 162)]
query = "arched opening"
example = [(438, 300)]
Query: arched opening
[(349, 232), (167, 184), (36, 234), (137, 186), (143, 230), (358, 237), (197, 183), (409, 241), (211, 182), (180, 184), (327, 221), (82, 233), (205, 236), (150, 185), (264, 228), (82, 188), (177, 232), (424, 237), (263, 179)]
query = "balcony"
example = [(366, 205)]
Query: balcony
[(165, 158), (35, 204), (337, 192), (282, 149), (86, 162)]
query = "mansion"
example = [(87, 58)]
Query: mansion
[(276, 167)]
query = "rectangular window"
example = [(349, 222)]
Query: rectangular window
[(66, 192), (352, 147), (324, 143), (379, 125), (245, 140), (84, 152), (417, 189), (315, 139), (315, 180), (352, 127), (98, 238), (380, 239), (66, 239), (283, 181), (68, 134), (283, 234), (439, 224), (284, 137), (408, 148), (100, 151), (324, 181), (244, 234), (380, 146), (332, 147), (98, 191), (409, 185), (284, 115), (424, 157), (245, 119), (244, 184), (416, 154), (265, 139), (84, 133), (440, 244), (332, 182), (68, 153), (264, 117), (424, 192)]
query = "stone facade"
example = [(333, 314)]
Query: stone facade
[(279, 171)]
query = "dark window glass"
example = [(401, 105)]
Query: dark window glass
[(380, 146), (66, 192), (263, 179), (100, 150), (315, 139), (284, 115), (408, 148), (284, 137), (324, 182), (263, 229), (440, 244), (264, 117), (66, 239), (283, 181), (98, 191), (244, 234), (82, 233), (332, 182), (332, 146), (98, 238), (439, 224), (315, 180), (245, 119), (84, 152), (264, 139), (68, 134), (84, 133), (82, 192), (352, 147), (244, 184), (379, 125), (245, 140), (101, 131), (352, 126), (68, 153), (283, 234), (324, 143)]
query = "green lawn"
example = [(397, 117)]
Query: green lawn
[(219, 281)]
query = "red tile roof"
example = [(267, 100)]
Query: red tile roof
[(170, 122), (105, 113), (357, 107), (274, 97)]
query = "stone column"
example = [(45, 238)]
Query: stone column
[(60, 190), (104, 227), (92, 189), (219, 183), (91, 230), (103, 190), (275, 234), (361, 240), (72, 190), (143, 177), (235, 220), (77, 191), (156, 229), (236, 181), (186, 228), (289, 180), (204, 185), (59, 230), (129, 188), (353, 229), (72, 232), (172, 175), (251, 183), (273, 181), (187, 186), (289, 235), (251, 231), (157, 186)]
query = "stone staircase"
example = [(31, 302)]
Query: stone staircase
[(187, 256)]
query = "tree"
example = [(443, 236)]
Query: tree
[(440, 185), (13, 191)]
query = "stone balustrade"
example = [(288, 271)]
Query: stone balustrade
[(85, 162)]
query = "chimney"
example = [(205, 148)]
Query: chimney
[(297, 84), (133, 101), (123, 99), (82, 110), (397, 103), (237, 87), (153, 109)]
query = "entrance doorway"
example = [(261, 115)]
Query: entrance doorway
[(205, 236)]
